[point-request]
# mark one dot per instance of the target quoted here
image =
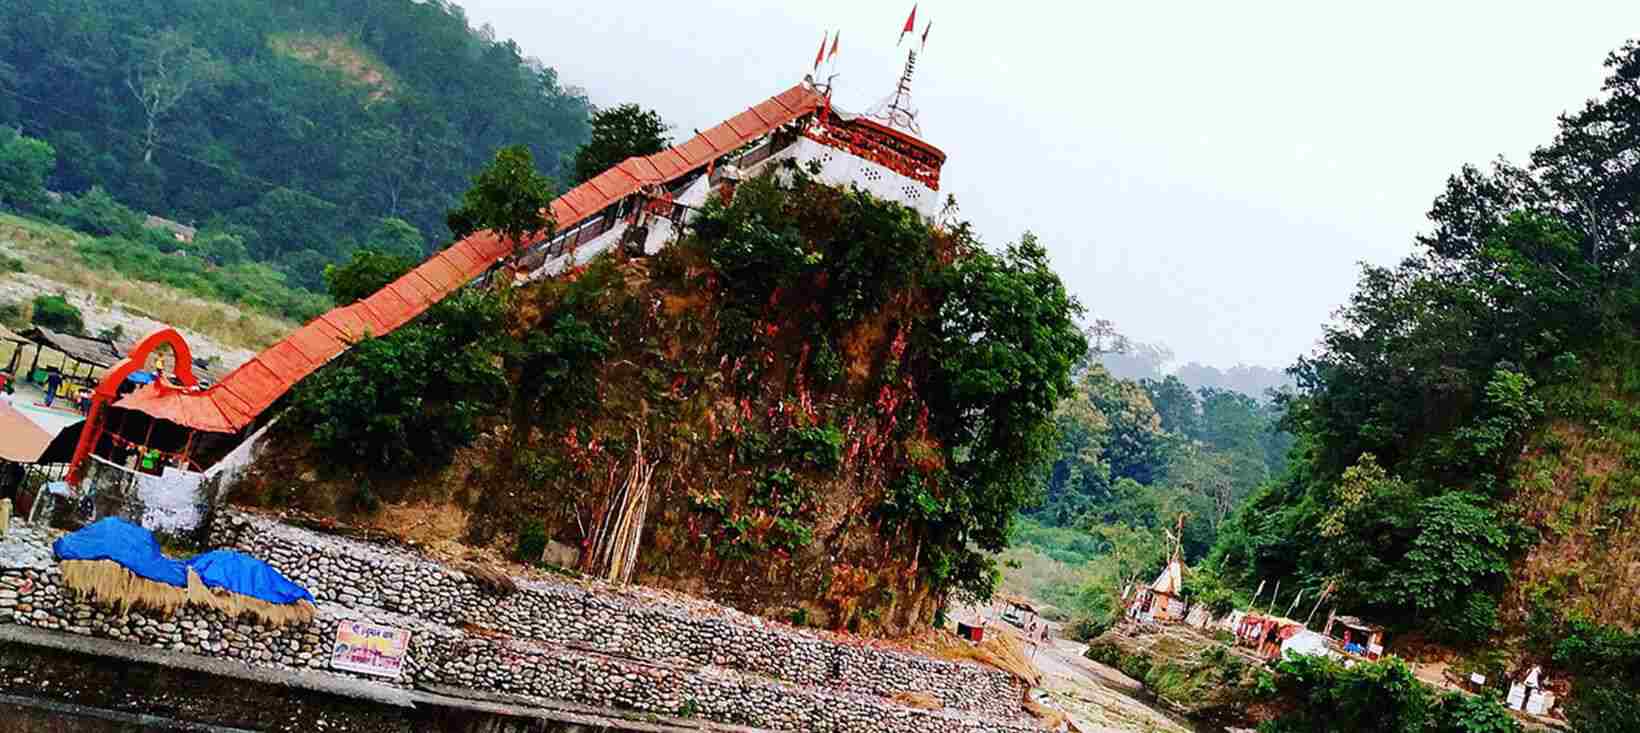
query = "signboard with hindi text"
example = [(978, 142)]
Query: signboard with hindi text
[(369, 649)]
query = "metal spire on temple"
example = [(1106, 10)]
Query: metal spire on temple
[(897, 111)]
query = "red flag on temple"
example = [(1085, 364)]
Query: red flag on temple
[(926, 29), (910, 25), (821, 54)]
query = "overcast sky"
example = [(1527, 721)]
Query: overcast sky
[(1205, 174)]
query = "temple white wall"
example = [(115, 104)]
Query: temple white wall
[(841, 168)]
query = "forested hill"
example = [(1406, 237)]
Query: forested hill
[(298, 126)]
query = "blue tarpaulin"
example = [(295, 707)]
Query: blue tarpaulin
[(131, 546), (136, 550), (246, 575), (140, 377)]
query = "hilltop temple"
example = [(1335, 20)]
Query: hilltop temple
[(192, 435)]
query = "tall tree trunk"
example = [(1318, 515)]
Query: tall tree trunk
[(148, 140)]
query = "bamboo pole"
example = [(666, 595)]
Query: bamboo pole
[(615, 545)]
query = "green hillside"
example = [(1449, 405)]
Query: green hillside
[(1465, 456), (298, 128)]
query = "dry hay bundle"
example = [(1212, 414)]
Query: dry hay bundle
[(109, 582), (237, 605)]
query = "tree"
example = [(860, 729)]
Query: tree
[(1320, 695), (366, 272), (220, 248), (1079, 477), (54, 312), (509, 196), (1138, 445), (1134, 360), (167, 68), (617, 134), (24, 165), (1458, 560), (1176, 405), (397, 237), (1002, 349), (412, 397)]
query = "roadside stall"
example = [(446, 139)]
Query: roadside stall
[(76, 371), (1266, 633), (1355, 638)]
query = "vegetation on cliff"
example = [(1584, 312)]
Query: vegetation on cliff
[(845, 406)]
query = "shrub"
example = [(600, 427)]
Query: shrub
[(532, 542), (1376, 697), (1460, 713), (54, 312), (96, 212), (412, 397), (13, 314), (1604, 709), (364, 499), (24, 164), (819, 446), (366, 272)]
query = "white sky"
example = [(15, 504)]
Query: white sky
[(1205, 174)]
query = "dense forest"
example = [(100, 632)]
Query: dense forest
[(1477, 401), (295, 132), (1458, 460), (1134, 458)]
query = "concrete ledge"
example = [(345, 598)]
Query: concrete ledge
[(427, 698), (310, 681)]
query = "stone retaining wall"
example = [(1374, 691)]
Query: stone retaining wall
[(360, 575), (698, 672)]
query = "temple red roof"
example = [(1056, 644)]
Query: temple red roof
[(235, 402)]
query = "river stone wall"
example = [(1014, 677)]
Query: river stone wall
[(455, 652), (361, 575)]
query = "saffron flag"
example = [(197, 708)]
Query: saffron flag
[(834, 40), (910, 25), (821, 54), (926, 29)]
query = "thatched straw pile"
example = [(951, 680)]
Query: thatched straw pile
[(110, 583)]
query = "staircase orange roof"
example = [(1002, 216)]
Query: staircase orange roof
[(235, 402)]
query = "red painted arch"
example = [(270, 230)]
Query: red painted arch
[(109, 387), (184, 367)]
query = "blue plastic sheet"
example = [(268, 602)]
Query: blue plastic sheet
[(246, 575), (136, 550), (131, 546)]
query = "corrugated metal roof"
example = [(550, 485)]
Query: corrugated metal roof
[(233, 403)]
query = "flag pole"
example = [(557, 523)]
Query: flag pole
[(1324, 593), (1294, 605)]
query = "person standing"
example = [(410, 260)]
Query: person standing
[(54, 380)]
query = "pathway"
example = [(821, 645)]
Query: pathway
[(1097, 698)]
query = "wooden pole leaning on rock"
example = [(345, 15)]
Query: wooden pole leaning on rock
[(5, 516), (614, 553)]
